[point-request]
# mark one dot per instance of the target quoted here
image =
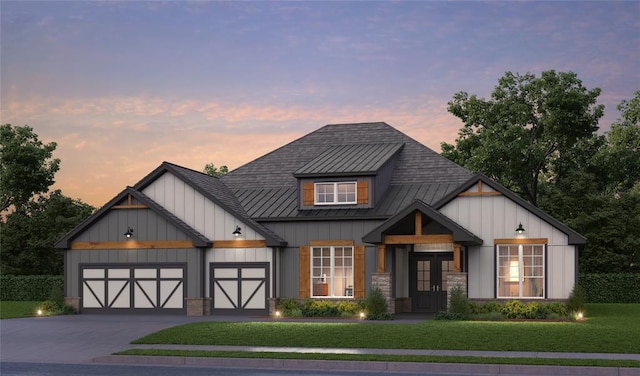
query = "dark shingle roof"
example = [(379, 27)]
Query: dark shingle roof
[(266, 187), (351, 160)]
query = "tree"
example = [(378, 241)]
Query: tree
[(528, 121), (27, 165), (29, 233), (595, 189), (211, 170), (619, 158)]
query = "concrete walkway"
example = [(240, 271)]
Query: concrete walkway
[(93, 338)]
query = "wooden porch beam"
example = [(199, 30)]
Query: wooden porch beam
[(418, 239), (132, 244)]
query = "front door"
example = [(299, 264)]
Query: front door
[(428, 281)]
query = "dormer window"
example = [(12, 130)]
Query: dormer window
[(337, 193)]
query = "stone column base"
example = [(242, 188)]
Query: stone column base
[(73, 301), (198, 306), (456, 280), (273, 305), (383, 282)]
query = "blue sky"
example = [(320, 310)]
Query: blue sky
[(122, 86)]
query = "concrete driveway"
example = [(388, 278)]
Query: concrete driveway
[(79, 338)]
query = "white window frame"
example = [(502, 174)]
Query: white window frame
[(505, 274), (334, 185), (345, 290)]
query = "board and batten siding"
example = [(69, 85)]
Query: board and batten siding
[(146, 225), (302, 233), (496, 217), (196, 210)]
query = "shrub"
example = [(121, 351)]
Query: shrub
[(347, 308), (575, 303), (49, 307), (376, 304), (611, 288), (557, 310), (289, 307), (459, 303), (490, 316), (491, 307), (513, 309), (319, 308), (29, 287)]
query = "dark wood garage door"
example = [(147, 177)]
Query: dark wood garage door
[(240, 288), (129, 288)]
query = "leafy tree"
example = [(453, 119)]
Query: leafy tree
[(528, 121), (29, 233), (27, 165), (619, 158), (211, 170), (595, 189)]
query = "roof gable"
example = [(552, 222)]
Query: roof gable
[(573, 236), (214, 190), (460, 234), (198, 239)]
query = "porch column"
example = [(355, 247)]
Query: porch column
[(381, 258), (456, 258)]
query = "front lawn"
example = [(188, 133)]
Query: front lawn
[(15, 309), (609, 328)]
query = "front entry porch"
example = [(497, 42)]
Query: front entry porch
[(421, 257)]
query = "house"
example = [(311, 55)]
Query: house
[(327, 216)]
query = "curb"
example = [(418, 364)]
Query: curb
[(295, 364)]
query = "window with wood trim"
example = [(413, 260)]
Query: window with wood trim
[(335, 193), (332, 271), (521, 271)]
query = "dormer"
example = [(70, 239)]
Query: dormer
[(347, 176)]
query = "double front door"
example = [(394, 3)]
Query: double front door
[(428, 280)]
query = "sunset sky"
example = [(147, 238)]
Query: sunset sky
[(123, 86)]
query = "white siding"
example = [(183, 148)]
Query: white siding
[(495, 217), (196, 210)]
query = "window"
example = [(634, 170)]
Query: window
[(332, 271), (335, 193), (521, 271)]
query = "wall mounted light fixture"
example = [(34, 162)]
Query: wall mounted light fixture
[(237, 232), (129, 232), (520, 229)]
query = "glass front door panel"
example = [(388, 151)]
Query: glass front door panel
[(424, 275)]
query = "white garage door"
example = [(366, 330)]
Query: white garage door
[(118, 288), (240, 288)]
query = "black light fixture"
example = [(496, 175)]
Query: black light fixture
[(129, 232), (237, 232), (520, 229)]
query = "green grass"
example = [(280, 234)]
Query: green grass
[(385, 358), (14, 309), (609, 328)]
